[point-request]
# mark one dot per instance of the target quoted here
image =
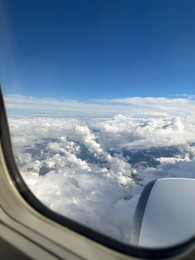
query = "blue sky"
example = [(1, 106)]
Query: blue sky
[(84, 49)]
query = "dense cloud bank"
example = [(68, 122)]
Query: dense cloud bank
[(93, 170)]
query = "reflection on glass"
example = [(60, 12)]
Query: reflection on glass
[(100, 101)]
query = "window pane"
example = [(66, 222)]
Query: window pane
[(100, 101)]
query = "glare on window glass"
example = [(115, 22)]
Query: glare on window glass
[(100, 101)]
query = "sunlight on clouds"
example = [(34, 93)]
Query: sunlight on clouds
[(90, 160), (93, 170)]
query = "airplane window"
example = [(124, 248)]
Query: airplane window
[(100, 101)]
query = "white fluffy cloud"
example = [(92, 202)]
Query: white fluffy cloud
[(93, 170)]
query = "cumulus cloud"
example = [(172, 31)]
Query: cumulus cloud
[(90, 160), (93, 170)]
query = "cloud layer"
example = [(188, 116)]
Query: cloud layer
[(93, 169), (22, 105)]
